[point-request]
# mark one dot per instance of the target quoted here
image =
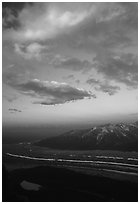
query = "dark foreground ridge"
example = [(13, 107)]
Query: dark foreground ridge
[(120, 136), (63, 185)]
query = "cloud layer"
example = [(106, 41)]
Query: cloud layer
[(30, 51), (71, 63), (49, 93), (53, 92), (103, 86), (14, 110), (43, 20), (121, 68), (69, 39)]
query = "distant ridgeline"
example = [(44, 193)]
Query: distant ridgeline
[(105, 137)]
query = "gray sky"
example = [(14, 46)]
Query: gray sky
[(69, 62)]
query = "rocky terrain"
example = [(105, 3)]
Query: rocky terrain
[(109, 136)]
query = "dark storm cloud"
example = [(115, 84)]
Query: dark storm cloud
[(103, 86), (17, 6), (14, 110), (9, 18), (122, 68), (10, 12), (50, 93)]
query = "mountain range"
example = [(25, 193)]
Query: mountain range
[(119, 136)]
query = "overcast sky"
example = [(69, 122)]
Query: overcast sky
[(67, 63)]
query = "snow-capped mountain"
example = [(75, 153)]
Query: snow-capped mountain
[(109, 136)]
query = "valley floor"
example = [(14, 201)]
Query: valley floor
[(39, 174)]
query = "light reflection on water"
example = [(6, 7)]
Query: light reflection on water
[(30, 186), (72, 160)]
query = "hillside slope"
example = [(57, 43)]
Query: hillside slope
[(110, 137)]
